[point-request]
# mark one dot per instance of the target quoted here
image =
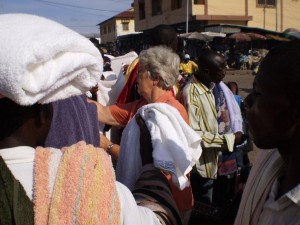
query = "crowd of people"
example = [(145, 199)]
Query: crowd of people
[(180, 150)]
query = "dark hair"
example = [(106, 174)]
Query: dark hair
[(13, 116), (163, 35), (206, 58), (283, 60), (232, 84), (97, 45)]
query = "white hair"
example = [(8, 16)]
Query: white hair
[(162, 63)]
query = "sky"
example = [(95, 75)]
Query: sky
[(79, 15)]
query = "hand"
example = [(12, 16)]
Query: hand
[(146, 147), (94, 90), (124, 69), (238, 138), (104, 142)]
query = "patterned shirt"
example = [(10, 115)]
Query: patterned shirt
[(200, 104)]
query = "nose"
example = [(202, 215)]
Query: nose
[(224, 71), (248, 101)]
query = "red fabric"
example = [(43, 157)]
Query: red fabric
[(128, 92)]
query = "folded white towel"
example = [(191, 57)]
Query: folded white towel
[(43, 61), (176, 146)]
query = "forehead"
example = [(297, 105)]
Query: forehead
[(218, 62), (271, 82)]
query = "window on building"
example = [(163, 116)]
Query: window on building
[(156, 7), (199, 2), (142, 12), (125, 26), (176, 4), (266, 3)]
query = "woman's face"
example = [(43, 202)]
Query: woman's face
[(271, 111), (145, 84)]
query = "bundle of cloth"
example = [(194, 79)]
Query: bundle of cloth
[(51, 65), (67, 173), (176, 146)]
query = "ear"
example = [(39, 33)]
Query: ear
[(43, 123), (44, 115), (155, 82), (206, 71)]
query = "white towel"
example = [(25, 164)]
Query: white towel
[(43, 61), (176, 146)]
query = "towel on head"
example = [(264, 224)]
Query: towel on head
[(176, 146), (43, 61)]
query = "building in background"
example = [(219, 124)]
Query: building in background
[(276, 15), (118, 25), (190, 15)]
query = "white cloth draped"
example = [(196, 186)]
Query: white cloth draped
[(176, 146), (236, 120)]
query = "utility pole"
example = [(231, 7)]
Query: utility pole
[(187, 16), (276, 5), (265, 5)]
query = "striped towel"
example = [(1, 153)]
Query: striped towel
[(75, 186)]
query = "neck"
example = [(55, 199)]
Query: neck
[(203, 79), (156, 94), (12, 142), (21, 137)]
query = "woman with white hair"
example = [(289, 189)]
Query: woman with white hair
[(157, 73)]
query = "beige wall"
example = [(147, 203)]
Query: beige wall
[(197, 10), (111, 36), (119, 27), (228, 7), (287, 16), (108, 36), (215, 7), (242, 23), (168, 17)]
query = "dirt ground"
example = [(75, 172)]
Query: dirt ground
[(244, 79)]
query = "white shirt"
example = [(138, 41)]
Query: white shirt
[(285, 210), (20, 162)]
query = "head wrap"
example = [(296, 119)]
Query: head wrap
[(44, 61)]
